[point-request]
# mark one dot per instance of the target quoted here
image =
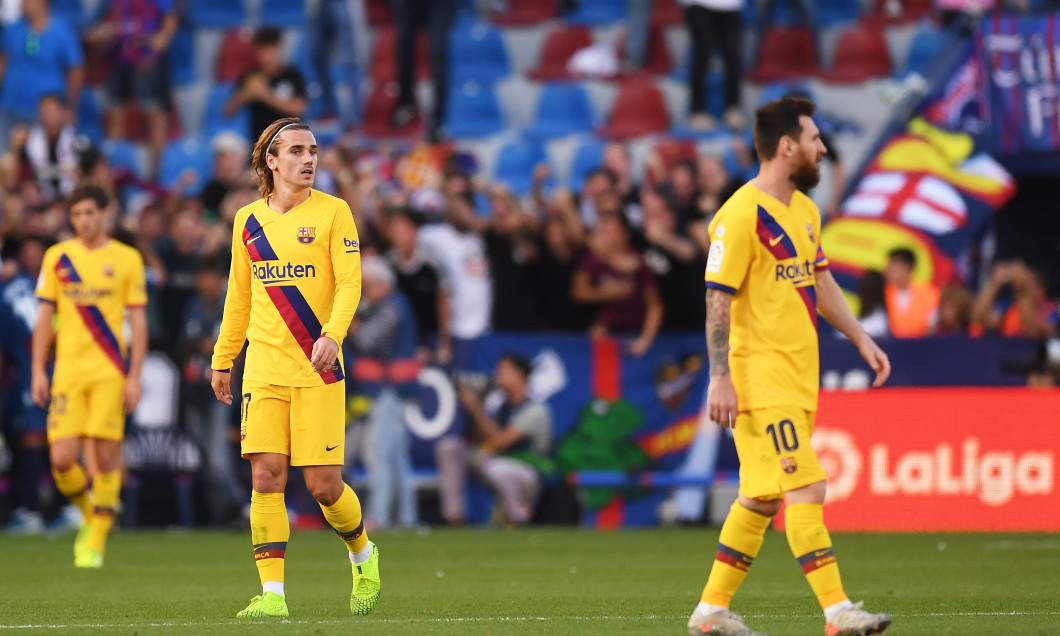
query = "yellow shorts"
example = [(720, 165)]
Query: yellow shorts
[(88, 410), (308, 424), (775, 452)]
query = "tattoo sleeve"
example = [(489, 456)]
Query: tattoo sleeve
[(719, 308)]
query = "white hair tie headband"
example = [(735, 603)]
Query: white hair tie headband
[(277, 134)]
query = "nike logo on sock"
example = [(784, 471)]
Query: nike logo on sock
[(330, 448)]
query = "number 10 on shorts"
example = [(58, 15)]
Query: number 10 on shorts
[(784, 436)]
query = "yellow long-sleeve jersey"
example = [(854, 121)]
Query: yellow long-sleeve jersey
[(294, 278)]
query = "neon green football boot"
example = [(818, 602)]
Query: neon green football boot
[(81, 540), (88, 558), (366, 584), (268, 605)]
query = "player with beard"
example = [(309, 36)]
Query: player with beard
[(767, 278)]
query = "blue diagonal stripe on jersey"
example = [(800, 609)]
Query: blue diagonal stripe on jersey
[(257, 243)]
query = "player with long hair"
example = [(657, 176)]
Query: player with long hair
[(293, 288)]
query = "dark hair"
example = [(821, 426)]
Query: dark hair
[(271, 141), (89, 191), (268, 36), (407, 213), (871, 292), (777, 119), (606, 172), (59, 97), (216, 263), (89, 158), (903, 254), (520, 362)]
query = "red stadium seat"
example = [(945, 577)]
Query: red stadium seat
[(861, 54), (639, 109), (786, 53), (559, 46), (384, 61), (657, 60), (236, 58), (526, 12), (911, 10), (378, 13), (671, 151), (666, 13), (136, 128), (377, 109)]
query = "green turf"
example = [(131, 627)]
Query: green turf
[(536, 581)]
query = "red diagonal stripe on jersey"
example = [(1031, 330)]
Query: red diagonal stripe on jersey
[(101, 333), (299, 318), (777, 248)]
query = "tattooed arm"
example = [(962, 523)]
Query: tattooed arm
[(722, 406)]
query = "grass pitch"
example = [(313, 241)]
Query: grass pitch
[(533, 581)]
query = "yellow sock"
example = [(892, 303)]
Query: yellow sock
[(270, 531), (345, 517), (74, 486), (741, 538), (811, 545), (106, 488)]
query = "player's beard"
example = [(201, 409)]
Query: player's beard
[(806, 174)]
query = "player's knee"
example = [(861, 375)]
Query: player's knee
[(767, 507), (61, 461)]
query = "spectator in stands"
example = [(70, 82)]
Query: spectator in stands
[(616, 159), (230, 168), (638, 28), (677, 264), (710, 23), (383, 335), (178, 253), (561, 253), (872, 305), (955, 311), (684, 191), (615, 278), (513, 252), (512, 456), (912, 305), (52, 149), (437, 15), (137, 34), (598, 185), (273, 90), (208, 422), (335, 29), (41, 55), (715, 186), (423, 282), (1015, 303)]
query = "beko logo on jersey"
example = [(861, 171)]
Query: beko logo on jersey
[(277, 273), (794, 271)]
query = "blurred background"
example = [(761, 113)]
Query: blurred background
[(532, 181)]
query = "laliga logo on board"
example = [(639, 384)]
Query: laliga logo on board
[(994, 477)]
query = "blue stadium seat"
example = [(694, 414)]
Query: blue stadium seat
[(477, 52), (473, 111), (776, 90), (925, 47), (214, 119), (587, 158), (288, 14), (562, 109), (833, 12), (182, 155), (122, 153), (217, 14), (90, 116), (182, 71), (598, 12), (515, 166)]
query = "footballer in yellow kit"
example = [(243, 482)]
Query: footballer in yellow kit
[(766, 280), (766, 255), (293, 288), (87, 284)]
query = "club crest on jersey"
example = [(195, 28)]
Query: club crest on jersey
[(307, 235), (809, 230)]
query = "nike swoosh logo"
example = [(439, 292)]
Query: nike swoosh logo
[(253, 239), (773, 241), (331, 448), (821, 553)]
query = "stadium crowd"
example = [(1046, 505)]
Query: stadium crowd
[(613, 257)]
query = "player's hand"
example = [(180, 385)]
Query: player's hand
[(41, 389), (722, 407), (221, 381), (325, 352), (640, 346), (131, 396), (877, 359)]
